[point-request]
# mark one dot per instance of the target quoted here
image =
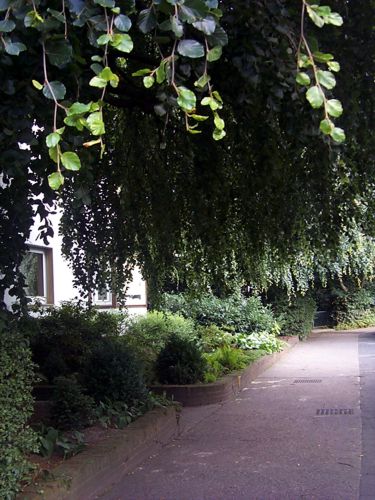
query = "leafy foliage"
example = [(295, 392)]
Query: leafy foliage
[(295, 315), (71, 408), (112, 373), (180, 362), (16, 379), (353, 307), (52, 440), (227, 359), (147, 336), (62, 338), (234, 312)]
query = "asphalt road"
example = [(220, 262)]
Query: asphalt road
[(305, 429)]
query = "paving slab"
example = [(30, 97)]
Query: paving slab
[(294, 433)]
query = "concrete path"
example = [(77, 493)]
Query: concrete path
[(294, 433)]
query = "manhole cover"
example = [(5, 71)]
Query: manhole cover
[(307, 381), (325, 412)]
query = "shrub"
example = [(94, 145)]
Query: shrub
[(16, 407), (235, 312), (62, 338), (353, 308), (257, 340), (71, 408), (113, 373), (147, 335), (180, 362), (228, 359), (209, 338), (296, 316)]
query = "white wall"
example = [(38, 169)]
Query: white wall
[(63, 275)]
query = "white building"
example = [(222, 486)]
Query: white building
[(50, 279)]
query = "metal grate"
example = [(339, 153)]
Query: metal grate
[(307, 381), (325, 412)]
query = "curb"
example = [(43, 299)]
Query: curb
[(95, 470), (225, 388)]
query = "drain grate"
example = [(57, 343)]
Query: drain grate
[(307, 381), (325, 412)]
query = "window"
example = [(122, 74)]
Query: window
[(103, 297), (37, 268)]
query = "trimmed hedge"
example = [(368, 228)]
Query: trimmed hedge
[(16, 407)]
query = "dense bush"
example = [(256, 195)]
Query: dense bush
[(235, 312), (353, 308), (16, 407), (180, 362), (112, 373), (295, 315), (62, 338), (71, 408), (227, 359), (268, 342), (147, 335), (211, 337)]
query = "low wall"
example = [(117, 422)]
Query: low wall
[(225, 388)]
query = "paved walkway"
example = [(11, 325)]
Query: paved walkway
[(294, 433)]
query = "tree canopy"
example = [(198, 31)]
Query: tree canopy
[(213, 166)]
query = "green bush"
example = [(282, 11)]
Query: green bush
[(113, 373), (180, 362), (16, 407), (71, 408), (209, 338), (147, 335), (228, 359), (353, 308), (268, 342), (235, 312), (295, 315), (62, 338)]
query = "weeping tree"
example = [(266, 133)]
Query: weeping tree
[(202, 140)]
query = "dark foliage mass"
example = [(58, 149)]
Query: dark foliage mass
[(269, 202)]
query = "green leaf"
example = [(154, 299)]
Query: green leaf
[(52, 139), (160, 73), (59, 52), (56, 89), (71, 160), (219, 122), (199, 118), (186, 99), (123, 23), (338, 134), (214, 54), (190, 48), (304, 61), (191, 10), (218, 134), (122, 42), (210, 101), (7, 25), (104, 39), (315, 97), (207, 25), (219, 37), (202, 81), (303, 79), (335, 19), (334, 108), (333, 66), (32, 19), (95, 123), (322, 57), (326, 78), (37, 85), (147, 20), (148, 81), (107, 75), (142, 72), (13, 48), (53, 154), (177, 26), (98, 82), (55, 180), (326, 126), (79, 108), (315, 18)]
